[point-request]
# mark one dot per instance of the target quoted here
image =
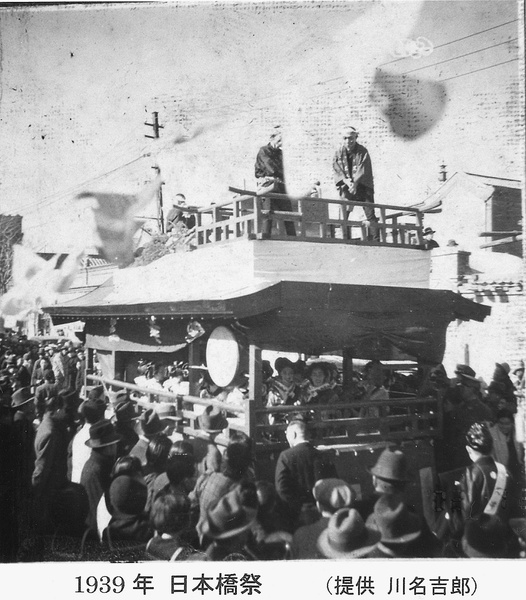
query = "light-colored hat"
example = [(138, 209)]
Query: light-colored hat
[(333, 494), (346, 535)]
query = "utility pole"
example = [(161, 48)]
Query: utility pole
[(156, 127)]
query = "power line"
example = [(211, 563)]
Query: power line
[(482, 69), (460, 56), (457, 40), (55, 197)]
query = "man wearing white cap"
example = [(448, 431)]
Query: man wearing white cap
[(353, 176)]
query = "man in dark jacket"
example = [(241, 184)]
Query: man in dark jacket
[(298, 469), (47, 390), (485, 483), (96, 474), (51, 456), (270, 178), (353, 176)]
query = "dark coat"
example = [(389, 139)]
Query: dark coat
[(51, 456), (134, 528), (96, 480), (297, 471), (476, 487), (305, 539)]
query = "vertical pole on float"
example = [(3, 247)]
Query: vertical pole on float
[(255, 377)]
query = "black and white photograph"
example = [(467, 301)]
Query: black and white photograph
[(262, 296)]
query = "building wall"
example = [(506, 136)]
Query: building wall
[(500, 338)]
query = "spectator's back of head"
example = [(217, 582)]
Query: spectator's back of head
[(92, 410), (179, 466), (49, 376), (157, 452), (237, 459), (170, 513), (127, 465), (478, 438), (128, 495)]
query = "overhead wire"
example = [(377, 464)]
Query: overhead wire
[(457, 40)]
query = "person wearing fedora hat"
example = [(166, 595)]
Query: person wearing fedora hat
[(96, 474), (403, 533), (125, 418), (207, 455), (390, 476), (151, 425), (331, 495), (91, 411), (429, 242), (227, 525), (501, 376), (210, 487), (390, 473), (346, 536)]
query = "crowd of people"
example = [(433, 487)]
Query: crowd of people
[(89, 465)]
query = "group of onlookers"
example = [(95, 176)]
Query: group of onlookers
[(97, 469)]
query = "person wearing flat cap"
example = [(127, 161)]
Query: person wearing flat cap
[(331, 495), (96, 474), (429, 242), (353, 176)]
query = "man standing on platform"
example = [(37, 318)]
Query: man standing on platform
[(270, 179), (353, 176)]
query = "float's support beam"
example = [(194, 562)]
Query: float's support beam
[(347, 373), (195, 359), (255, 399)]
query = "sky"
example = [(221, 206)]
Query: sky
[(78, 84)]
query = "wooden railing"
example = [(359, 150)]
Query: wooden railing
[(244, 216), (331, 425)]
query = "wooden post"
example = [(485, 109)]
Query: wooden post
[(257, 216), (347, 367), (255, 400), (194, 360)]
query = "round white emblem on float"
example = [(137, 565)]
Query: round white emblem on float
[(223, 356)]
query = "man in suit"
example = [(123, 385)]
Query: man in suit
[(298, 469), (51, 457)]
